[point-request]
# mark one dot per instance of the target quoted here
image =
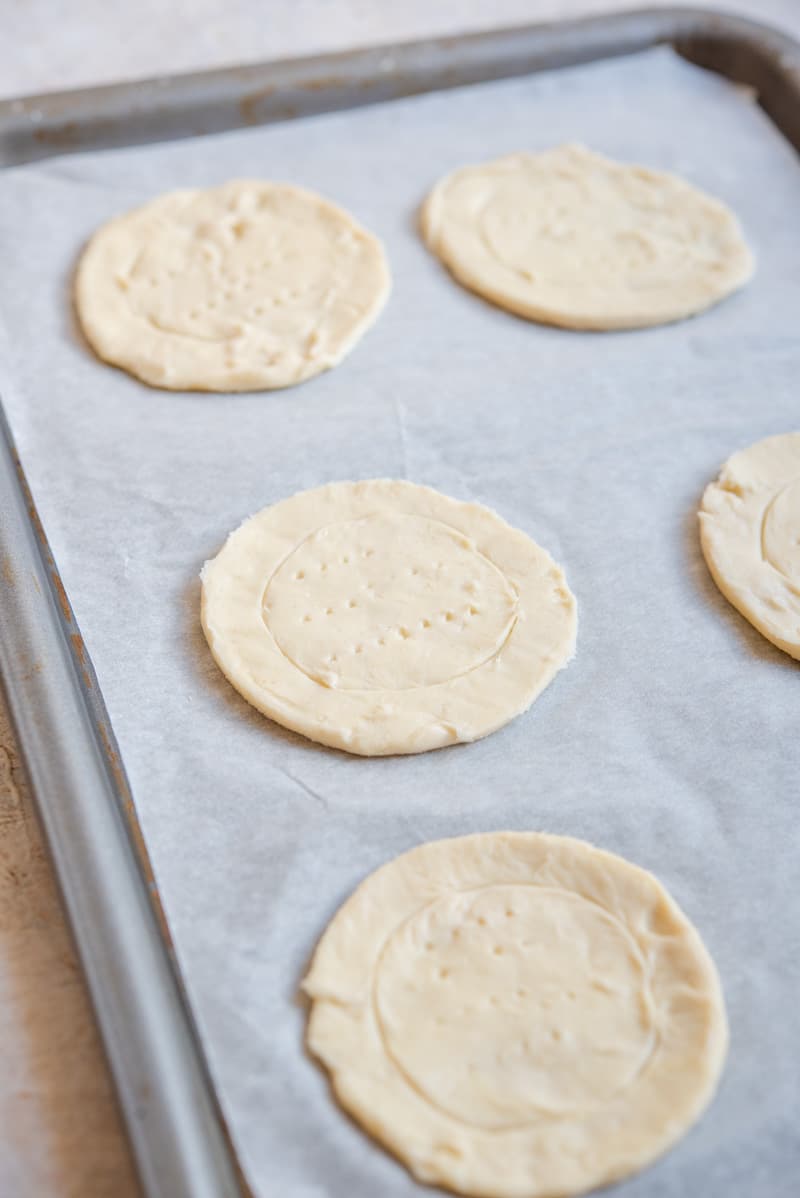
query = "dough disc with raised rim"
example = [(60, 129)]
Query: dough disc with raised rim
[(750, 534), (242, 287), (517, 1015), (568, 237), (383, 617)]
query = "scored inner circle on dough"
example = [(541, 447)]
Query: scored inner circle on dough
[(571, 238), (750, 536), (383, 617), (517, 1014), (421, 588), (780, 532), (500, 980)]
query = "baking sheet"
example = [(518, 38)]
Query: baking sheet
[(672, 738)]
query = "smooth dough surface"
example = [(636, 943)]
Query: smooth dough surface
[(517, 1015), (383, 617), (750, 534), (568, 237), (242, 287)]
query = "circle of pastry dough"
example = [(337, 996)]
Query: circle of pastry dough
[(382, 617), (570, 238), (517, 1014), (750, 535), (242, 287)]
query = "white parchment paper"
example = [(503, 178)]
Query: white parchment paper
[(673, 736)]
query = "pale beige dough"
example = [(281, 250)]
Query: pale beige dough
[(750, 534), (568, 237), (383, 617), (517, 1015), (242, 287)]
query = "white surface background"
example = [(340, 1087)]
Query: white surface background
[(50, 44), (58, 1129)]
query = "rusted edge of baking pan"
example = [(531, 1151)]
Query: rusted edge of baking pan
[(84, 805), (167, 108), (70, 752)]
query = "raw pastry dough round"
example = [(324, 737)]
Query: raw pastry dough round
[(517, 1015), (750, 534), (382, 617), (571, 238), (241, 287)]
